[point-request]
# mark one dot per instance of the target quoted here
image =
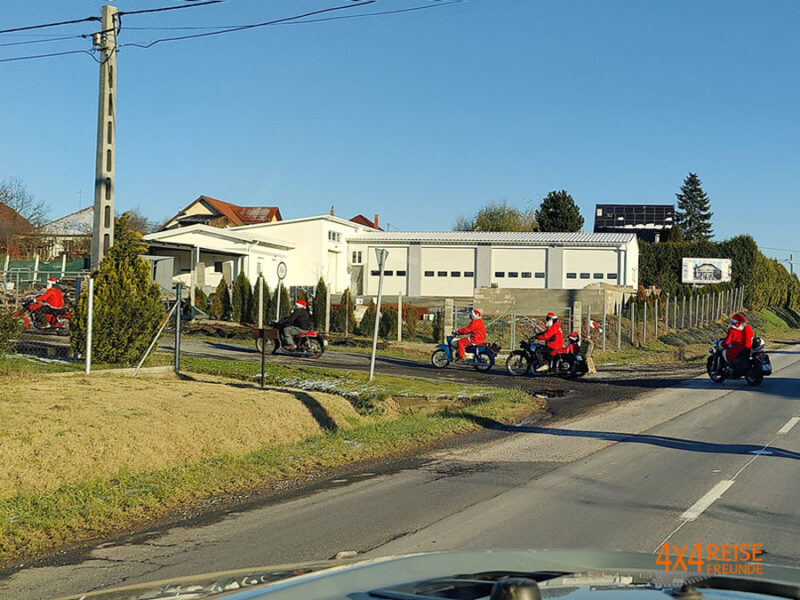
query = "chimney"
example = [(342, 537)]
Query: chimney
[(332, 211), (375, 220)]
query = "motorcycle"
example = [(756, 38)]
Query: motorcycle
[(564, 364), (41, 317), (310, 344), (482, 356), (753, 368)]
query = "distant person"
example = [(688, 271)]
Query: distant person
[(739, 340), (299, 321), (573, 344), (477, 334), (553, 339), (47, 303)]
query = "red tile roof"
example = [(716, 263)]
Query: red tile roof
[(12, 221), (237, 215), (364, 221)]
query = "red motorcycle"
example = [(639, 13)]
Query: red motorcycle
[(37, 316)]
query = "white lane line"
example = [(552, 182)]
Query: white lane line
[(701, 505), (788, 427)]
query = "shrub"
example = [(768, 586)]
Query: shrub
[(127, 304), (200, 299), (9, 329), (320, 304), (343, 318), (388, 324), (221, 303), (242, 299), (285, 306)]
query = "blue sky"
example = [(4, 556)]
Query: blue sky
[(421, 116)]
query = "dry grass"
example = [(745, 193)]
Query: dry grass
[(57, 430)]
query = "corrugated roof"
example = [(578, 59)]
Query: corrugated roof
[(494, 237)]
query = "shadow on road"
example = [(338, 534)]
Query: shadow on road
[(641, 438)]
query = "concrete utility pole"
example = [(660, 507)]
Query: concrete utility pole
[(103, 231)]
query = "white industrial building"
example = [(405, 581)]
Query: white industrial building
[(454, 263)]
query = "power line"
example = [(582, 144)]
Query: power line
[(253, 26), (778, 249), (29, 27), (152, 10), (337, 18), (89, 52), (55, 39)]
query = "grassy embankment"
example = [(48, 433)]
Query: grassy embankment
[(85, 457)]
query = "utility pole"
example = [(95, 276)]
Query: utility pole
[(103, 231)]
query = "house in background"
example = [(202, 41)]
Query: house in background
[(12, 225), (70, 235), (649, 222), (216, 213)]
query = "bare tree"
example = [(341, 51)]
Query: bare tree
[(138, 222), (14, 194)]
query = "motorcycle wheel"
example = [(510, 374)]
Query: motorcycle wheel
[(483, 361), (714, 375), (315, 346), (439, 358), (754, 376), (517, 363)]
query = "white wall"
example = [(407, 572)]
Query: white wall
[(519, 267), (393, 283), (448, 270), (590, 265)]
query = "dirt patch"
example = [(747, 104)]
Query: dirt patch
[(56, 430)]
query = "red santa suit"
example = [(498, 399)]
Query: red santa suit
[(477, 335)]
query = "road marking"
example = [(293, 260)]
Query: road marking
[(701, 505), (788, 427)]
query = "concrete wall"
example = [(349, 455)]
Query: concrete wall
[(494, 301)]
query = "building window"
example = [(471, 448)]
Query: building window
[(441, 273), (401, 273), (499, 274), (357, 257), (218, 266), (469, 273), (455, 273), (584, 276), (388, 273), (375, 273), (611, 276), (598, 275), (526, 275), (541, 275), (428, 273), (572, 275), (513, 274), (334, 236)]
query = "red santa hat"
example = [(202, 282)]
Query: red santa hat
[(301, 304)]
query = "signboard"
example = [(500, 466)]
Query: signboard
[(281, 270), (706, 270)]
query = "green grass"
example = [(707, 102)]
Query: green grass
[(21, 365), (31, 524)]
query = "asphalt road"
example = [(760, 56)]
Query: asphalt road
[(697, 462)]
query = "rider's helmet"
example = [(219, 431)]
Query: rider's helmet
[(474, 314), (573, 337), (301, 304), (51, 281), (551, 318), (738, 321)]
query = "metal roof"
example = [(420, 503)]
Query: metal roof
[(494, 237)]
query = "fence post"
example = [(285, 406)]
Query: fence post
[(655, 314), (633, 323), (63, 265), (513, 343), (5, 265), (399, 317), (178, 292), (683, 315), (666, 314), (327, 313), (260, 284), (605, 324), (89, 324), (644, 324), (36, 267), (588, 320), (619, 326)]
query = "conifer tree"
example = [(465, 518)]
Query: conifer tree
[(694, 211), (127, 304)]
